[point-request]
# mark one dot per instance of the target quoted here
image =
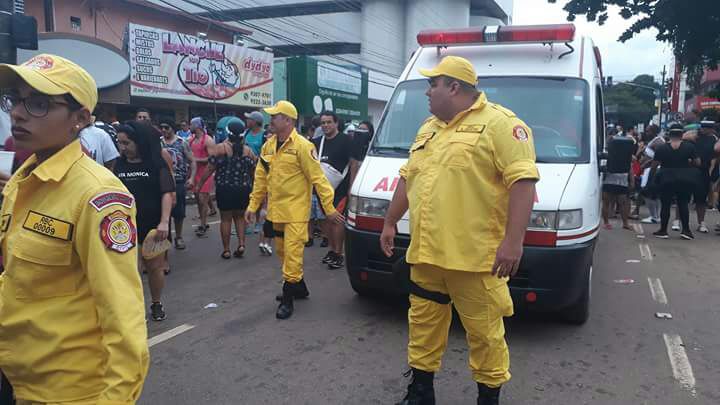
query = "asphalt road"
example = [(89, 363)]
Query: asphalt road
[(340, 348)]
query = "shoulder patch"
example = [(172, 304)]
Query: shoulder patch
[(118, 232), (503, 110), (520, 133), (48, 226), (110, 198)]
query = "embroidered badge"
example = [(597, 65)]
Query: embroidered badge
[(107, 199), (520, 133), (48, 226), (118, 232)]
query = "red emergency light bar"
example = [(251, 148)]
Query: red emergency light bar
[(494, 34)]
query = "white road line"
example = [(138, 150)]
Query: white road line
[(167, 335), (682, 371), (645, 251), (657, 291)]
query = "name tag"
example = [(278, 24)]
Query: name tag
[(291, 151), (478, 129), (5, 222), (48, 226)]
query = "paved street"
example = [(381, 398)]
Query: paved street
[(339, 348)]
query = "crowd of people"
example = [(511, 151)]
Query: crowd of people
[(662, 169)]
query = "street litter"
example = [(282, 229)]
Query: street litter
[(624, 281), (211, 305), (663, 315), (632, 261)]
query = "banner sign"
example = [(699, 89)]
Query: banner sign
[(171, 65)]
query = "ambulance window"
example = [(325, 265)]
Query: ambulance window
[(599, 120), (406, 111)]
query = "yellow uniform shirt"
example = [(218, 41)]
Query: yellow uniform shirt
[(72, 318), (287, 176), (458, 180)]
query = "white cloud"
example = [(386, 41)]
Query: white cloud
[(642, 54)]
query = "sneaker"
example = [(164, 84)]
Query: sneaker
[(687, 235), (325, 243), (330, 256), (676, 225), (309, 243), (661, 234), (337, 263), (263, 249), (157, 312), (649, 220), (268, 249), (180, 244), (703, 228)]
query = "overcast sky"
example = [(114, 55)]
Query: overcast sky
[(642, 54)]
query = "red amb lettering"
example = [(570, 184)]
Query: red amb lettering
[(385, 182)]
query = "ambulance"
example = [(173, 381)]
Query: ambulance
[(551, 78)]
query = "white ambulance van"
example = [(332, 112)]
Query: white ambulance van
[(551, 78)]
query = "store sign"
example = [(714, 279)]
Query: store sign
[(316, 86), (172, 65)]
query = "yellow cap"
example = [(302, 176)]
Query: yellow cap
[(455, 67), (283, 107), (54, 76)]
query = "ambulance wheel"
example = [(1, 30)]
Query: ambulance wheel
[(362, 290), (579, 313)]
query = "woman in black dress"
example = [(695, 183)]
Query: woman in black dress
[(676, 179), (234, 168), (147, 176)]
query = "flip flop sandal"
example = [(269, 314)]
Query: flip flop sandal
[(239, 252), (226, 255)]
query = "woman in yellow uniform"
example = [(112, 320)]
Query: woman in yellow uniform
[(72, 323)]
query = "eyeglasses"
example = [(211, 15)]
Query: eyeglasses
[(36, 105)]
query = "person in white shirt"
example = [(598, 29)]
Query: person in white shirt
[(99, 146)]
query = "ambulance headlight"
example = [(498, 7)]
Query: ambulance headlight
[(571, 219), (371, 207), (542, 220)]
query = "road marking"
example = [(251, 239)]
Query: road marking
[(167, 335), (682, 371), (657, 291), (645, 251)]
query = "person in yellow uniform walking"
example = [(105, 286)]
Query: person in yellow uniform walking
[(469, 184), (288, 171), (72, 319)]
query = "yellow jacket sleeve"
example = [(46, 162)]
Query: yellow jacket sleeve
[(117, 289), (314, 173), (514, 151), (260, 183)]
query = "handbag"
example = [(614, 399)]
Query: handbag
[(334, 176)]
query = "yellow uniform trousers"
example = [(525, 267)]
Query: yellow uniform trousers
[(481, 300), (290, 247)]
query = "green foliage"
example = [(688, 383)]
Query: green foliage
[(632, 104), (692, 27)]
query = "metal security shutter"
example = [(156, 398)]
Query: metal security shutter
[(20, 6)]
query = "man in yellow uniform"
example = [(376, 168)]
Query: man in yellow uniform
[(288, 171), (469, 184), (72, 319)]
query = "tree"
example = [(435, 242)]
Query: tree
[(631, 105), (692, 27)]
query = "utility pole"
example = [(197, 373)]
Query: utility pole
[(662, 95), (8, 52)]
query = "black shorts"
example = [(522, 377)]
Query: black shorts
[(232, 199), (178, 211), (702, 190), (614, 189)]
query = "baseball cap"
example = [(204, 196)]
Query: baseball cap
[(255, 116), (283, 107), (455, 67), (235, 126), (54, 76)]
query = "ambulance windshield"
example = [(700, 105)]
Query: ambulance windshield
[(556, 109)]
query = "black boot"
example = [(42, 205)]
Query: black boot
[(420, 391), (300, 291), (487, 395), (286, 308)]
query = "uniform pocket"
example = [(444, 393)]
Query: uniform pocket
[(43, 267), (499, 293), (460, 149)]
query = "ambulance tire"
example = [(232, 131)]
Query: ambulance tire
[(579, 312), (362, 290)]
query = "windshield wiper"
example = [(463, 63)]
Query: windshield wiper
[(398, 149)]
